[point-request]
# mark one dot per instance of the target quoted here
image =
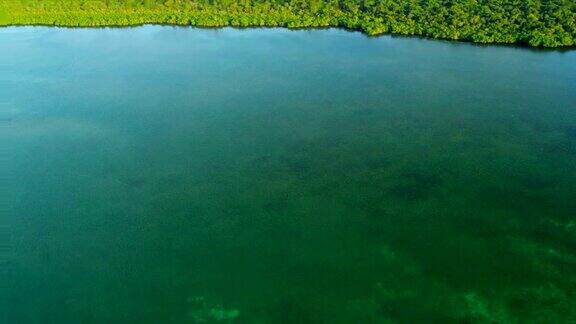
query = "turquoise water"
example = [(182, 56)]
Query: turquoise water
[(177, 175)]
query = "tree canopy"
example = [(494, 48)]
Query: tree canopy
[(541, 23)]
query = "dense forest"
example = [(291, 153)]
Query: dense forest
[(544, 23)]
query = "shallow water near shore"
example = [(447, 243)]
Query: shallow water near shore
[(176, 175)]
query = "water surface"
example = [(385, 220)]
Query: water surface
[(173, 175)]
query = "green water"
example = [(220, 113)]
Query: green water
[(178, 175)]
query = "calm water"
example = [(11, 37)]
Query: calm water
[(172, 175)]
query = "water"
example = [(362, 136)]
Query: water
[(168, 175)]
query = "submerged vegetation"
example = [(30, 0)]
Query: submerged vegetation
[(545, 23)]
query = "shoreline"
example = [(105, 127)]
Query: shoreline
[(523, 26), (519, 45)]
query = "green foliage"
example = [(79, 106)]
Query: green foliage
[(546, 23)]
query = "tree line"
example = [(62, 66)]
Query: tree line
[(539, 23)]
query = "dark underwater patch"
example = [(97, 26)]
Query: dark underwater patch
[(415, 186), (289, 311), (134, 182), (275, 205), (536, 182), (297, 167), (395, 309), (377, 163), (554, 234), (570, 132)]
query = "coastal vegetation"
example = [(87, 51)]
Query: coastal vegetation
[(539, 23)]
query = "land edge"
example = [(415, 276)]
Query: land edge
[(524, 45)]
